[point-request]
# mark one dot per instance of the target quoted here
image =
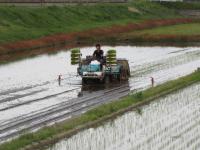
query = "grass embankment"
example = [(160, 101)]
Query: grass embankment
[(95, 116), (168, 32), (23, 23), (24, 29), (177, 34), (181, 29), (182, 5), (109, 35), (29, 31)]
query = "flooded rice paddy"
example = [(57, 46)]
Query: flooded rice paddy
[(169, 123), (30, 86)]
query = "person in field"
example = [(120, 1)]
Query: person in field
[(98, 55)]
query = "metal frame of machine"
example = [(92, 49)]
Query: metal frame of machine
[(113, 69)]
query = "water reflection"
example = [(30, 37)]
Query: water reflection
[(171, 122), (98, 87), (31, 86)]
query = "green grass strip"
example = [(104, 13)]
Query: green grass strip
[(180, 29), (23, 23), (100, 113), (181, 5)]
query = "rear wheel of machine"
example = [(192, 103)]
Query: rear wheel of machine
[(107, 80), (124, 70), (84, 81), (123, 74), (119, 76)]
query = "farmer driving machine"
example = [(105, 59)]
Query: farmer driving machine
[(107, 70)]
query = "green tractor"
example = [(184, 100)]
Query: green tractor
[(109, 70)]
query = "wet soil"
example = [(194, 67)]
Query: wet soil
[(170, 122), (31, 85)]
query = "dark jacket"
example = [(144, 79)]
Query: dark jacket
[(98, 54)]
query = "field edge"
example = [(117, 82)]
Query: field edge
[(95, 117)]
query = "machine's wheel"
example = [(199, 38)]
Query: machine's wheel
[(107, 79), (84, 81), (119, 76), (124, 70), (123, 74)]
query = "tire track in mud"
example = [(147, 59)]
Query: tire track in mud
[(35, 100), (165, 69), (143, 69), (26, 95), (22, 88), (165, 64), (171, 122), (17, 96), (177, 58), (77, 106)]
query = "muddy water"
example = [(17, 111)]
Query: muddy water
[(30, 86), (169, 123)]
